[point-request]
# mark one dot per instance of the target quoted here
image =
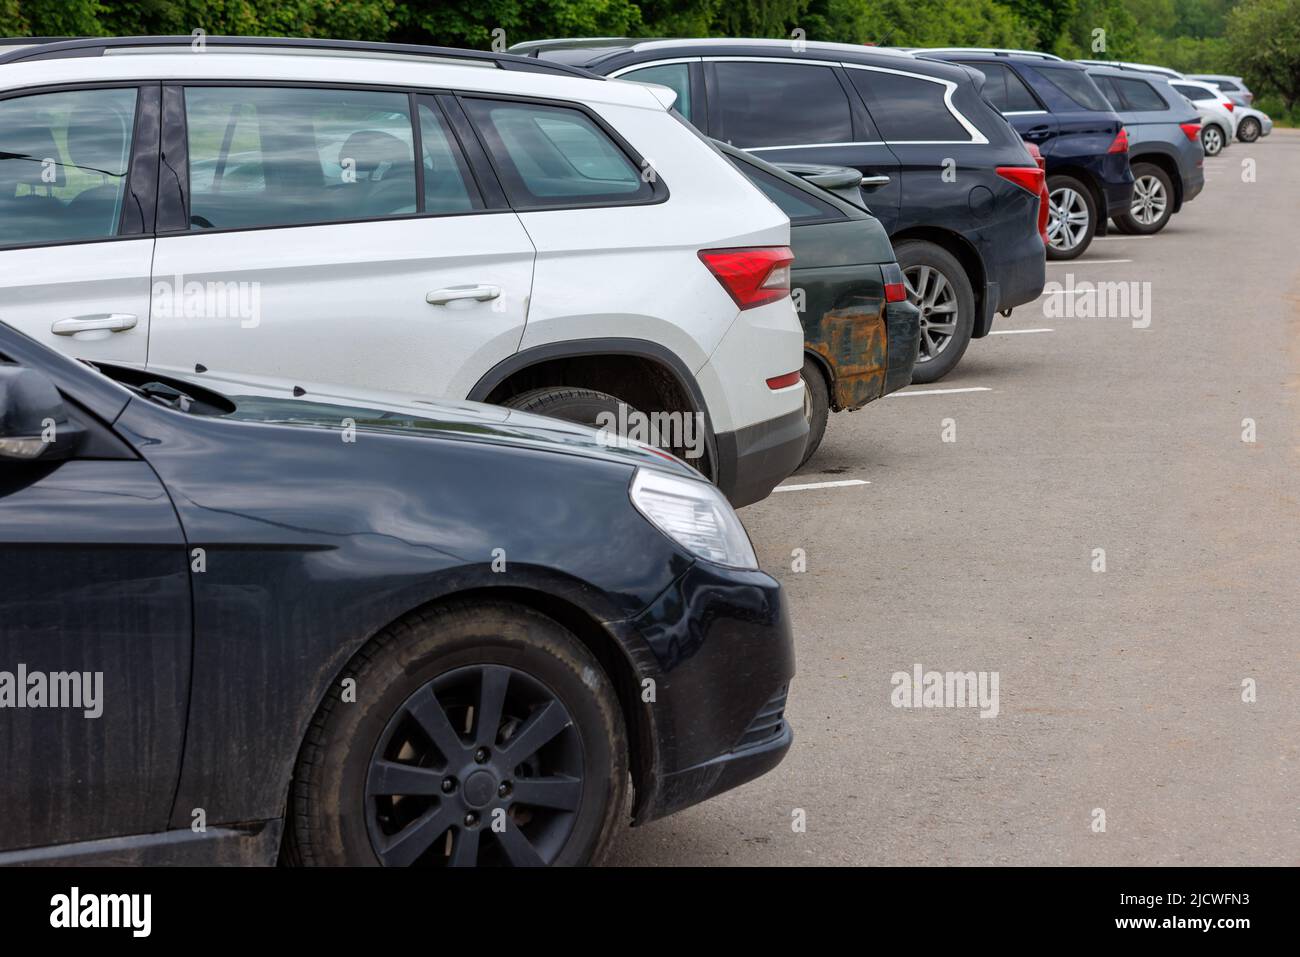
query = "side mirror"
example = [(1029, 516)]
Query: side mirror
[(33, 421)]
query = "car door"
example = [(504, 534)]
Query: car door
[(96, 640), (77, 174), (311, 247), (802, 111)]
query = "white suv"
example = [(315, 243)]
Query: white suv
[(251, 210)]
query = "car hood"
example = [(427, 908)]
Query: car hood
[(408, 414)]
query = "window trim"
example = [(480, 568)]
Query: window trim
[(658, 188), (133, 174)]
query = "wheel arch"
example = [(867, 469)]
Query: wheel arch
[(966, 254), (1167, 163)]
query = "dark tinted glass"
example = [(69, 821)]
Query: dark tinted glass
[(1107, 86), (448, 186), (1077, 85), (1140, 95), (798, 204), (782, 104), (908, 108), (1003, 88)]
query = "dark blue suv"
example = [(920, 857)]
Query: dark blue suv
[(1055, 104), (947, 177)]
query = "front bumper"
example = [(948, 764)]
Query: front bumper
[(720, 650), (752, 460)]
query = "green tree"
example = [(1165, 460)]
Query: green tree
[(1264, 42)]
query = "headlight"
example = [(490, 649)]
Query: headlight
[(695, 515)]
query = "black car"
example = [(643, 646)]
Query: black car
[(358, 633), (860, 332), (939, 164), (1055, 105)]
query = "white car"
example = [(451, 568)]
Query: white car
[(1252, 123), (252, 209), (1218, 113)]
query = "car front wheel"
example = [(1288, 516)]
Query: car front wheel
[(1072, 217), (1249, 130), (937, 284), (469, 735), (1212, 140)]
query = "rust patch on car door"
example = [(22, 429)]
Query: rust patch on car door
[(853, 340)]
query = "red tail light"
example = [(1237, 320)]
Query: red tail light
[(895, 290), (1032, 179), (784, 381), (1190, 130), (752, 276), (1121, 142), (1230, 105)]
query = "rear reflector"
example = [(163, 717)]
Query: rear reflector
[(895, 290), (1121, 142), (752, 276), (1190, 130), (784, 381)]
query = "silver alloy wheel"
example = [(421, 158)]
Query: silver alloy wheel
[(1149, 200), (1067, 220), (1213, 140), (931, 292)]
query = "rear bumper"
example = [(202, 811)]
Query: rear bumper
[(752, 460), (903, 335), (1016, 271), (720, 649)]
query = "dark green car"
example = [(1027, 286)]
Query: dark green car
[(860, 332)]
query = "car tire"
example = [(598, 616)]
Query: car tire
[(921, 263), (1212, 139), (1072, 199), (389, 773), (584, 406), (1248, 130), (816, 406), (1153, 201)]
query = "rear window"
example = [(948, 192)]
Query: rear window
[(1078, 86), (1140, 95), (782, 104), (556, 156), (799, 205), (1006, 91), (908, 108), (1226, 85), (1194, 92)]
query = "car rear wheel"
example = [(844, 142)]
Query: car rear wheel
[(816, 406), (469, 735), (1152, 207), (1248, 130), (1072, 217), (937, 284), (1212, 140)]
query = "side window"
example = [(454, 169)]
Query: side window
[(1110, 91), (63, 165), (448, 186), (1140, 95), (555, 156), (1078, 86), (286, 156), (782, 104), (1018, 95), (908, 108), (1006, 91), (797, 204), (1193, 92), (675, 76), (1228, 86)]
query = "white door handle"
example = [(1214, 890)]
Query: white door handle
[(482, 293), (111, 321)]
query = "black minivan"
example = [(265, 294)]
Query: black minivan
[(237, 628), (943, 171)]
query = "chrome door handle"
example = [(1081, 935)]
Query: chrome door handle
[(873, 181), (440, 297), (112, 321)]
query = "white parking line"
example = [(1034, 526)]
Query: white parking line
[(812, 485), (1086, 262), (974, 388), (1017, 332), (1060, 292), (1099, 239)]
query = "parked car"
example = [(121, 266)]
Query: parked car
[(1164, 146), (1233, 86), (389, 629), (534, 258), (929, 149), (1054, 104), (861, 332), (1252, 123), (1218, 120)]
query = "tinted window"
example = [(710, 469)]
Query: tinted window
[(1194, 92), (1226, 85), (279, 157), (782, 104), (555, 156), (908, 108), (675, 76), (1108, 90), (447, 182), (1006, 91), (799, 205), (63, 165), (1078, 86), (1140, 95)]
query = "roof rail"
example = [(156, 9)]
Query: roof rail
[(62, 48), (996, 51), (531, 48)]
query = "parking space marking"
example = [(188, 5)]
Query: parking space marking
[(1017, 332), (1086, 262), (1102, 239), (812, 485), (974, 388)]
